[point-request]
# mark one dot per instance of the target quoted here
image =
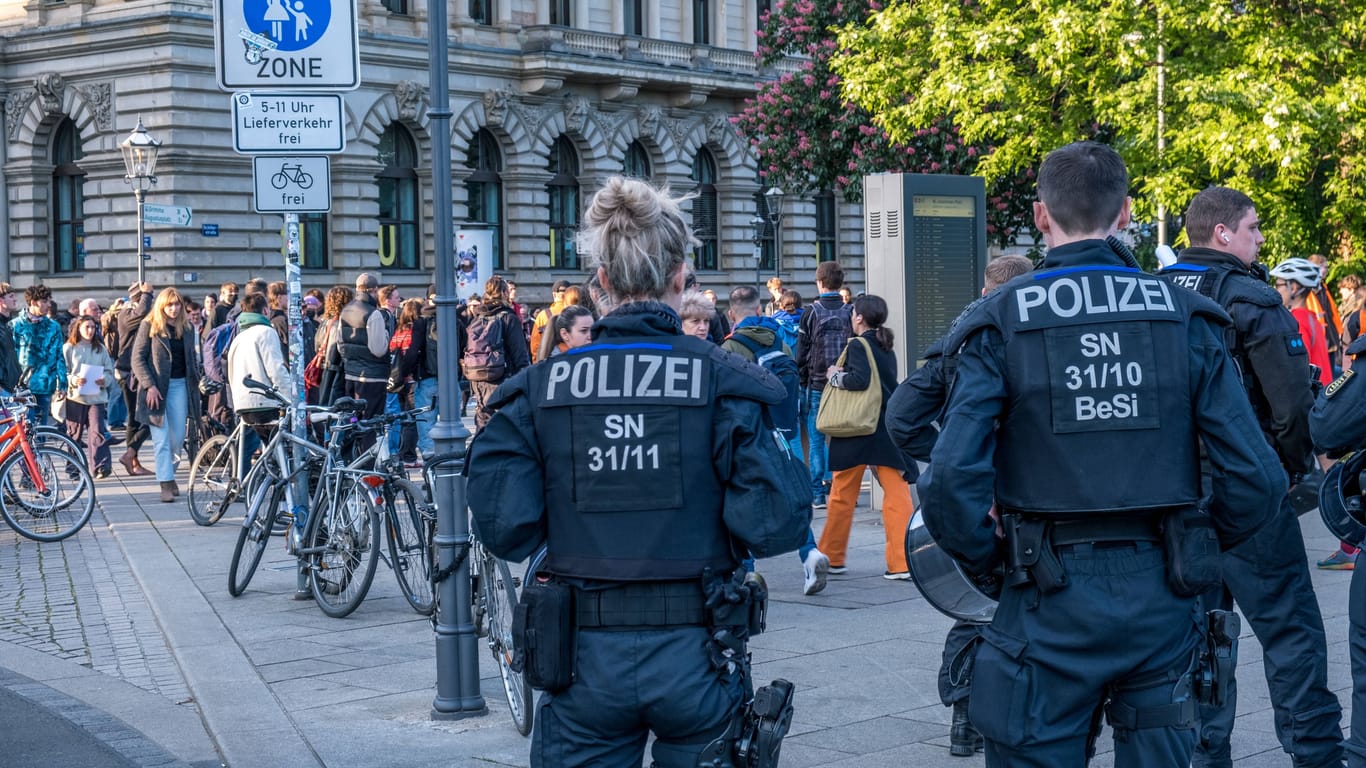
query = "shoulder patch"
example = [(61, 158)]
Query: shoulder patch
[(1294, 345), (1339, 383)]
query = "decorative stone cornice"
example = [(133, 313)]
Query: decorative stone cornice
[(50, 87)]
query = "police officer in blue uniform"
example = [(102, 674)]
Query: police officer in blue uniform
[(1338, 425), (644, 463), (1268, 576), (1081, 393)]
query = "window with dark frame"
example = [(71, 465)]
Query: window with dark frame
[(704, 211), (399, 7), (827, 227), (701, 22), (68, 225), (637, 161), (633, 17), (484, 188), (564, 204), (764, 6), (482, 11), (399, 201), (561, 13), (313, 240)]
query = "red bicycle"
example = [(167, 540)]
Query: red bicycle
[(46, 491)]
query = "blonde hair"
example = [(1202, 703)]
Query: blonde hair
[(157, 322), (638, 235)]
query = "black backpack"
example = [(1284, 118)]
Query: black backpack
[(484, 359), (830, 331), (780, 364)]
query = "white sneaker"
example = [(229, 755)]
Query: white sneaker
[(814, 567)]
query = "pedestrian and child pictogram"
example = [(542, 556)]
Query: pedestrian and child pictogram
[(309, 44)]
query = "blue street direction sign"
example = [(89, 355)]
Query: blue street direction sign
[(208, 230), (174, 215), (286, 44), (287, 123)]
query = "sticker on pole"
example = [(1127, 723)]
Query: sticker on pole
[(297, 44)]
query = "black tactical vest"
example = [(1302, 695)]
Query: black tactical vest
[(1099, 418), (354, 340), (625, 430)]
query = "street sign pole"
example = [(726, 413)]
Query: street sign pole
[(294, 286), (457, 645)]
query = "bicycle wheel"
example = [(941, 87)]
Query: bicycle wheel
[(409, 526), (50, 437), (254, 536), (213, 480), (47, 500), (341, 544), (500, 598)]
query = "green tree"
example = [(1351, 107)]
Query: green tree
[(1265, 97), (809, 138)]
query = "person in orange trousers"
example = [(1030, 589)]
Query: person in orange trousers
[(849, 456)]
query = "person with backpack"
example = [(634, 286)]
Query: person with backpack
[(821, 336), (758, 339), (495, 348)]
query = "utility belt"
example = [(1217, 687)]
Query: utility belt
[(1186, 534), (550, 613)]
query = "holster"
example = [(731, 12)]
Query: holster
[(738, 604), (755, 736), (543, 626), (1192, 551), (1218, 657), (1030, 556)]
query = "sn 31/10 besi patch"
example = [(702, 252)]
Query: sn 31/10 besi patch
[(1339, 383)]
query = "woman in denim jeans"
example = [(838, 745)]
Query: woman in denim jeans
[(164, 363)]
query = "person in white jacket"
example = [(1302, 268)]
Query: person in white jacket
[(256, 352)]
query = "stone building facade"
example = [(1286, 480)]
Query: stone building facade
[(548, 98)]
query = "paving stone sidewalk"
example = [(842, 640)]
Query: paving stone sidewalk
[(132, 616)]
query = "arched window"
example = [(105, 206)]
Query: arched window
[(398, 199), (484, 188), (704, 220), (564, 204), (68, 225), (637, 162)]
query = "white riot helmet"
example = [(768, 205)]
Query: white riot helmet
[(1302, 271)]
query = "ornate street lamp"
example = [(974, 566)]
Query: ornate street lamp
[(774, 197), (140, 162), (757, 224)]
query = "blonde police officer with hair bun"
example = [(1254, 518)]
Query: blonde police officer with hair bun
[(643, 463)]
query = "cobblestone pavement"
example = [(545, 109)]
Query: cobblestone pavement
[(78, 600)]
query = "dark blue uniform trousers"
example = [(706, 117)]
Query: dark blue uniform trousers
[(1268, 576), (955, 673), (1356, 643), (631, 682), (1048, 663)]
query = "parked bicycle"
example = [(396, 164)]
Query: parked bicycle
[(46, 491), (493, 590), (350, 502)]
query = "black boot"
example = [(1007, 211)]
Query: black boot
[(963, 738)]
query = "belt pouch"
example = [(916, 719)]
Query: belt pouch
[(1192, 551), (543, 625)]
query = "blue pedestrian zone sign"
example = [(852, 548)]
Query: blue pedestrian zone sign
[(286, 44), (293, 25)]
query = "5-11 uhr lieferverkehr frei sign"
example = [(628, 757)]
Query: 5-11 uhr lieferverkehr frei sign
[(286, 44)]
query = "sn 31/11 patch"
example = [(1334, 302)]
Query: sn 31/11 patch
[(1102, 377), (1339, 383)]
